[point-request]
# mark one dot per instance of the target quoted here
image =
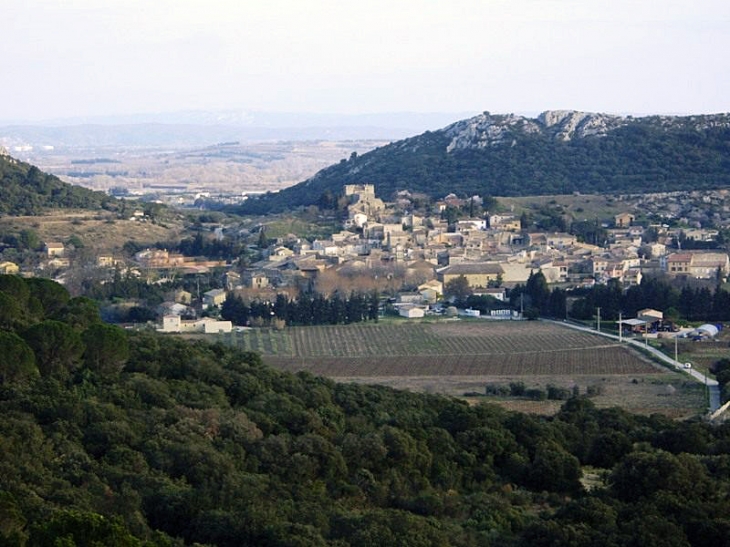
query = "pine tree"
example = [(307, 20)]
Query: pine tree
[(373, 306), (263, 242)]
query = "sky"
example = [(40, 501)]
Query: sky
[(70, 58)]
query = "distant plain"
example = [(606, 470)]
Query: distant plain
[(230, 168)]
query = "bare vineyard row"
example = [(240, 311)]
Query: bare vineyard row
[(414, 339), (597, 361)]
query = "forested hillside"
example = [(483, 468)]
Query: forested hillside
[(26, 190), (118, 439), (556, 153)]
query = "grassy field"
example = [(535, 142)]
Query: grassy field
[(671, 394), (458, 357), (587, 206), (98, 230)]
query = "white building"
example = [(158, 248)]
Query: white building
[(411, 312), (206, 325)]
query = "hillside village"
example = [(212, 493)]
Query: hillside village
[(411, 257), (492, 253)]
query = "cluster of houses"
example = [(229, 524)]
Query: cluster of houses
[(490, 253), (178, 306), (179, 302)]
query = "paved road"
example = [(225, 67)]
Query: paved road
[(712, 386)]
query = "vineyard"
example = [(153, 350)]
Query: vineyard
[(458, 357), (453, 348)]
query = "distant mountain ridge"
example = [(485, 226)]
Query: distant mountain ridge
[(204, 128), (253, 118), (557, 152)]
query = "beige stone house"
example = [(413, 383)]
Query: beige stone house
[(214, 298), (9, 268), (54, 248), (702, 265), (623, 220)]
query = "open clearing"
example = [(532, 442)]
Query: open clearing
[(100, 231), (458, 357)]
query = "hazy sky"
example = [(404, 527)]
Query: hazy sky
[(66, 58)]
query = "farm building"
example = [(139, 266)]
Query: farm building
[(411, 312), (207, 325), (653, 318), (634, 325), (704, 331)]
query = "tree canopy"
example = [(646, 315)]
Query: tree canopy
[(26, 190), (147, 440)]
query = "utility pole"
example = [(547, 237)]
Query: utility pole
[(620, 328), (598, 324)]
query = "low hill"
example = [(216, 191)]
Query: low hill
[(559, 152), (26, 190)]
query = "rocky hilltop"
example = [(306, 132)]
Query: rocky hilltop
[(559, 151), (490, 130), (563, 125)]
